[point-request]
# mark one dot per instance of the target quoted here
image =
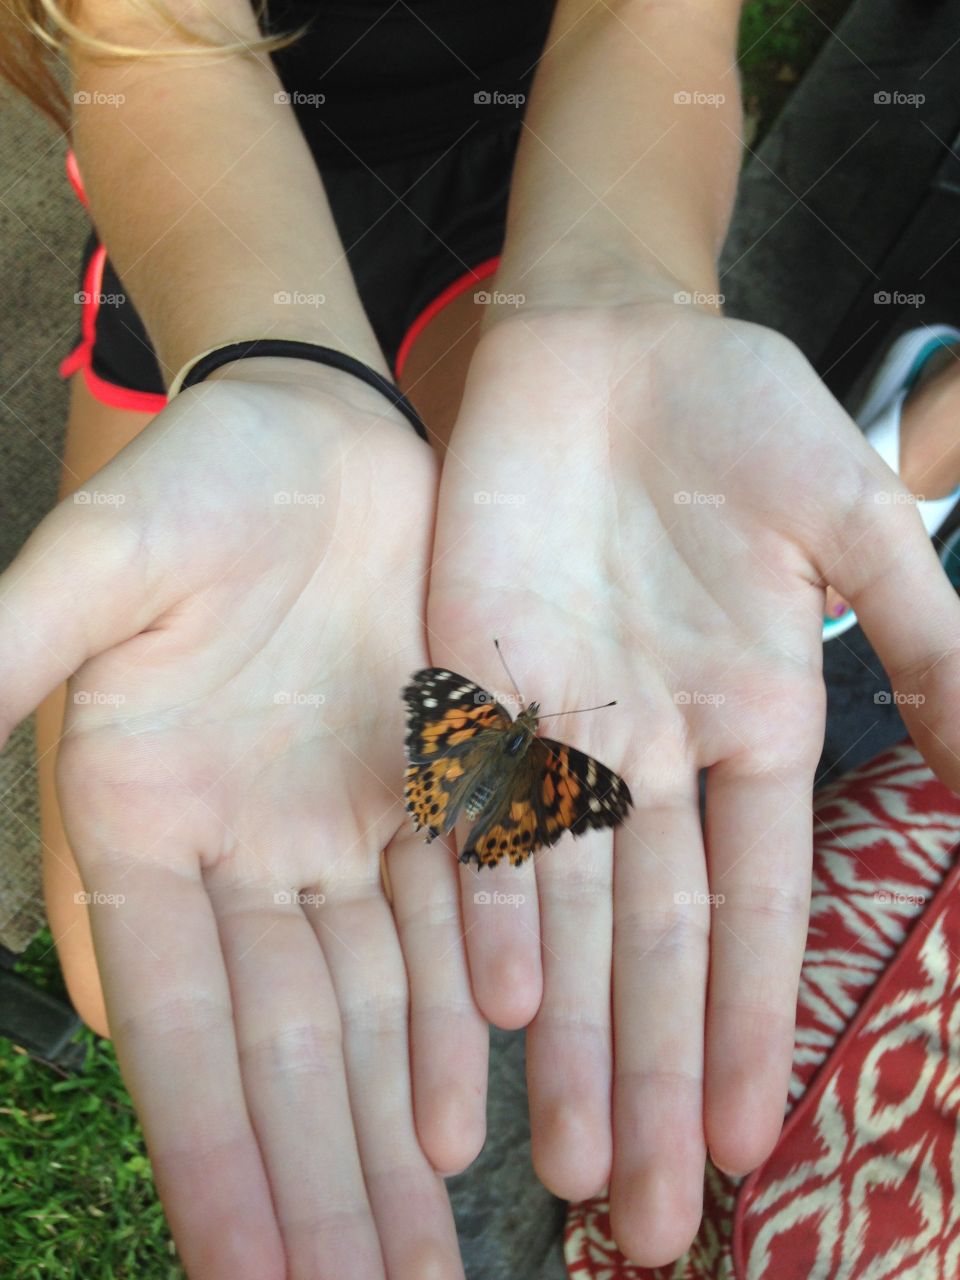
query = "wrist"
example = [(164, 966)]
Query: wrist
[(288, 370), (303, 374), (293, 346), (598, 276), (627, 167)]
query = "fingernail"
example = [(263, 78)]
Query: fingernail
[(839, 610)]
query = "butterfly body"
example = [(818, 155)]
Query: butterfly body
[(467, 757)]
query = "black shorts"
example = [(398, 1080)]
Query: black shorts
[(421, 214)]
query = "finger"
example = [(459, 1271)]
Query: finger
[(288, 1032), (569, 1052), (760, 839), (448, 1034), (660, 942), (76, 587), (894, 581), (500, 911), (502, 922), (168, 1001), (357, 933)]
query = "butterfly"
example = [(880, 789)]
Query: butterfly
[(465, 755)]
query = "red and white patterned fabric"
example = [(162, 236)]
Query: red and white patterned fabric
[(864, 1183)]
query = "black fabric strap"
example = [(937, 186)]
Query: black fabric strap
[(306, 351)]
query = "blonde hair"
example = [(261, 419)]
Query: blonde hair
[(31, 29)]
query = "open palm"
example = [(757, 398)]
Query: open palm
[(245, 588), (644, 503)]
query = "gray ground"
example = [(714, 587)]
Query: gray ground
[(816, 209)]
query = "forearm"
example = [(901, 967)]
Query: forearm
[(205, 193), (615, 181)]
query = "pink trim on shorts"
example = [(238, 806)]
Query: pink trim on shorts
[(73, 173), (152, 402), (81, 357), (440, 301)]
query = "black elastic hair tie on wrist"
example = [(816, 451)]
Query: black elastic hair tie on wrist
[(307, 351)]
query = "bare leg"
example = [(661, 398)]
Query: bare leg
[(436, 367)]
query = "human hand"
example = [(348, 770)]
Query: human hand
[(644, 502), (303, 1060)]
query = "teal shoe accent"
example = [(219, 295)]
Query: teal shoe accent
[(950, 558), (922, 356)]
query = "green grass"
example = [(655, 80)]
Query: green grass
[(77, 1200)]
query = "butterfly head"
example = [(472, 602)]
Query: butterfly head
[(523, 729)]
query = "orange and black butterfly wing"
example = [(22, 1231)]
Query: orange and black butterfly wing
[(577, 792), (451, 723), (555, 788)]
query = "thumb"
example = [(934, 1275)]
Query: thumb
[(79, 585), (890, 573)]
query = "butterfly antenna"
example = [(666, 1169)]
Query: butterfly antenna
[(496, 645), (578, 710)]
